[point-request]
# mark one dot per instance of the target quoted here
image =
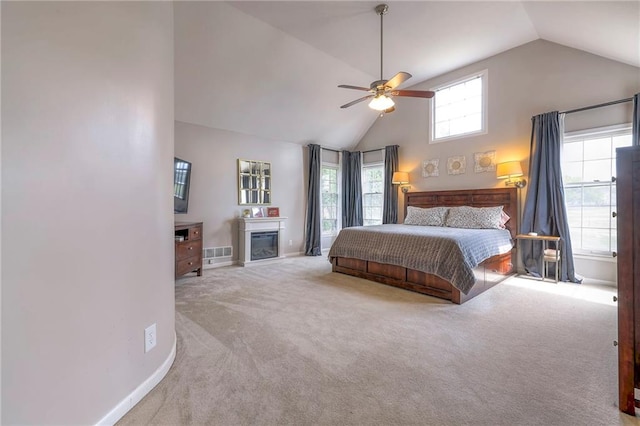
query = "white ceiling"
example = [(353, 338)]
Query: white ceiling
[(271, 69)]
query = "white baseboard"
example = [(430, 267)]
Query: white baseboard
[(250, 263), (235, 262), (218, 265), (138, 393), (294, 254)]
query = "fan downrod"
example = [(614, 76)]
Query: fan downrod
[(381, 10)]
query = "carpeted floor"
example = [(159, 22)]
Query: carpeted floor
[(291, 343)]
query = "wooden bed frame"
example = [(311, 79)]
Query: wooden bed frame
[(488, 273)]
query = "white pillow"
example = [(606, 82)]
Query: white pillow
[(474, 217), (433, 216), (504, 218)]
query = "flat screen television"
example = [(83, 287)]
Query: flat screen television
[(181, 181)]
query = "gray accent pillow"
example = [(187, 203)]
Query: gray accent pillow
[(474, 217), (433, 216)]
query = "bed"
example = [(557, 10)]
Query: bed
[(399, 271)]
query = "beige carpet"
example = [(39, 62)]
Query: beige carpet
[(292, 343)]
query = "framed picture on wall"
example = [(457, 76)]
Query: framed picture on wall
[(485, 161), (456, 165), (430, 168)]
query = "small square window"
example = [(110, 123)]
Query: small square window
[(459, 108)]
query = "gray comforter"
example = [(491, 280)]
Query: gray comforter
[(450, 253)]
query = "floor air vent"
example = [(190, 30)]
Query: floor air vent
[(217, 255)]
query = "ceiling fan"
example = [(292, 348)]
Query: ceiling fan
[(383, 90)]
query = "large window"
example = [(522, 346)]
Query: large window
[(372, 193), (588, 164), (329, 199), (459, 108)]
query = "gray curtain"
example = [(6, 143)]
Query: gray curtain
[(544, 208), (635, 132), (351, 189), (312, 238), (390, 200)]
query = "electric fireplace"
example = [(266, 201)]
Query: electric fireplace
[(264, 245)]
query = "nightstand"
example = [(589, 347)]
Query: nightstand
[(548, 255)]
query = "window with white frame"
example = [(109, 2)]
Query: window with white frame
[(588, 164), (459, 108), (372, 193), (329, 198)]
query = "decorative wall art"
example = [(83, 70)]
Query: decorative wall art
[(430, 168), (273, 212), (456, 165), (485, 161), (257, 212)]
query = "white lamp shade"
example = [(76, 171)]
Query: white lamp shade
[(508, 170), (400, 178), (381, 102)]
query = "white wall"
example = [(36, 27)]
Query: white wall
[(531, 79), (213, 197), (87, 114), (238, 73)]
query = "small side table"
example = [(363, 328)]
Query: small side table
[(546, 257)]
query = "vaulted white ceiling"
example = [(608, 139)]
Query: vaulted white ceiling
[(271, 69)]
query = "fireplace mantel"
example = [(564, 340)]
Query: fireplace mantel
[(258, 224)]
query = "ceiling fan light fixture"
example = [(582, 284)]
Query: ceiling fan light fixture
[(381, 102), (382, 90)]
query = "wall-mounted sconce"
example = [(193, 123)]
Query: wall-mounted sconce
[(402, 179), (509, 170)]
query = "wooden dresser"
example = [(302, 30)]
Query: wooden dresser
[(188, 248), (628, 214)]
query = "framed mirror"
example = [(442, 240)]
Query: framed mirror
[(254, 182)]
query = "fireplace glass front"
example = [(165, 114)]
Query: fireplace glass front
[(264, 245)]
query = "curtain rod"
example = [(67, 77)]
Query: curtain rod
[(371, 150), (619, 101), (329, 149), (364, 152)]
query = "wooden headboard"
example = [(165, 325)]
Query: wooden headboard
[(506, 197)]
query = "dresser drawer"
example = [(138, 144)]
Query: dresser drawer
[(188, 265), (195, 233), (187, 249)]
